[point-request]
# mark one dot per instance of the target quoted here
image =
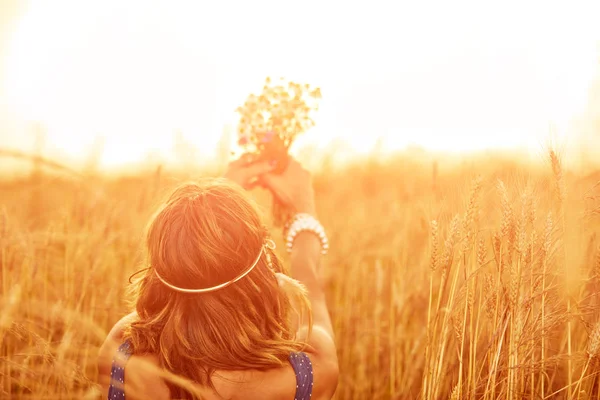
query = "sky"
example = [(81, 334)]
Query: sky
[(449, 76)]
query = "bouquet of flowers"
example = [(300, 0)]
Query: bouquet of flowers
[(271, 121)]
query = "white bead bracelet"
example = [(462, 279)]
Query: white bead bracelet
[(305, 223)]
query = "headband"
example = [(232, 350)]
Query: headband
[(269, 244)]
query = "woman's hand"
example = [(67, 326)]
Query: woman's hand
[(245, 172), (293, 187)]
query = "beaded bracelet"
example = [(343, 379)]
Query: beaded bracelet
[(305, 222)]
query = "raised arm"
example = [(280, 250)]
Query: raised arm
[(294, 188)]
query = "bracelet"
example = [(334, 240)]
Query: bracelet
[(305, 223)]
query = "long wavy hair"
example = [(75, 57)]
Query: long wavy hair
[(205, 234)]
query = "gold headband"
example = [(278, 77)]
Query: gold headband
[(269, 244)]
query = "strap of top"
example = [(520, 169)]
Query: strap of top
[(304, 375), (116, 390)]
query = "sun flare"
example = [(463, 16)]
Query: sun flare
[(131, 76)]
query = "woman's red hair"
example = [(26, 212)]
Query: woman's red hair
[(205, 234)]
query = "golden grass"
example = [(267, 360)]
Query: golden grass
[(476, 281)]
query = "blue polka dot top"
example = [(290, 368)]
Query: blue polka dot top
[(299, 361)]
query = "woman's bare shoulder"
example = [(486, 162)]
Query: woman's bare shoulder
[(112, 342), (116, 333), (323, 356), (108, 350), (114, 338)]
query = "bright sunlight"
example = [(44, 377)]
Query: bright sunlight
[(134, 75)]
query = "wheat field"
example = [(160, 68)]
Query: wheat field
[(476, 279)]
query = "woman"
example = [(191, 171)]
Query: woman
[(214, 317)]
